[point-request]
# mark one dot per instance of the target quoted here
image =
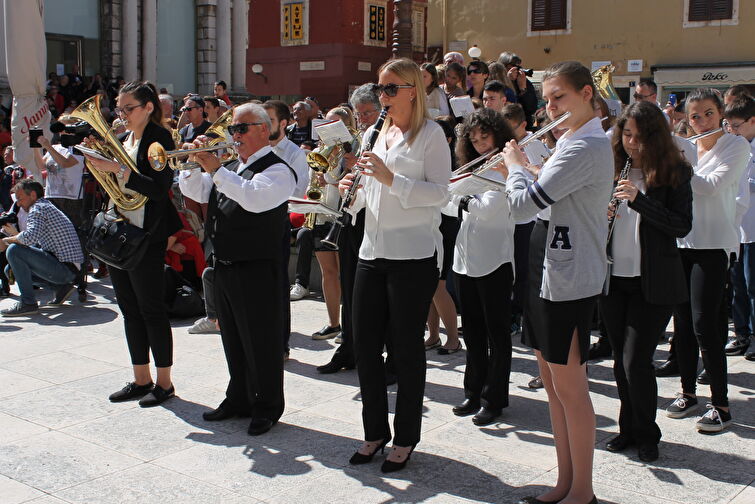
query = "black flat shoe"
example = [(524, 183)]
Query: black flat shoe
[(259, 426), (333, 367), (486, 416), (648, 452), (158, 396), (361, 458), (535, 500), (131, 391), (668, 368), (389, 466), (467, 407), (619, 443), (222, 412)]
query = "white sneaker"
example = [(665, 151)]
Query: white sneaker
[(203, 326), (298, 292)]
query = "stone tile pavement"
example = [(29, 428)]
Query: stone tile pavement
[(61, 440)]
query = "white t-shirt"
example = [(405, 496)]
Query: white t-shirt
[(63, 182), (625, 245), (747, 229)]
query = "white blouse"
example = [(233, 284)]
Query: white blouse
[(402, 221), (437, 102), (715, 185), (486, 235), (625, 244)]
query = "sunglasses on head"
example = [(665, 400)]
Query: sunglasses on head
[(241, 128), (390, 89)]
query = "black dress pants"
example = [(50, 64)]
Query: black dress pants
[(700, 321), (522, 234), (140, 296), (247, 297), (486, 316), (391, 302), (349, 242), (634, 327)]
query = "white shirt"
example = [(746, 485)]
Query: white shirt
[(402, 221), (715, 184), (135, 217), (296, 158), (261, 193), (687, 148), (437, 101), (625, 244), (747, 229), (63, 182), (537, 154), (486, 235)]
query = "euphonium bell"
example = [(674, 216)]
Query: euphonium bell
[(604, 82)]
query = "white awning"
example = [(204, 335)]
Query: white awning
[(705, 76)]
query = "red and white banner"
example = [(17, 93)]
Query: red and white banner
[(26, 61)]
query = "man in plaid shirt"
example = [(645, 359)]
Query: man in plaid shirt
[(47, 252)]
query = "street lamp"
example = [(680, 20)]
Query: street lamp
[(474, 52), (257, 69)]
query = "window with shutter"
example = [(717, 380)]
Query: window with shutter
[(548, 15), (709, 10)]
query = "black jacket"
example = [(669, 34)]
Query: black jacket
[(160, 216), (666, 214)]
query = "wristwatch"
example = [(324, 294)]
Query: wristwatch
[(121, 172)]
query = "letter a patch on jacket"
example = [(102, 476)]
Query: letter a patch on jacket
[(561, 236)]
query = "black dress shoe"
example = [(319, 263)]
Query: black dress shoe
[(259, 426), (361, 458), (333, 367), (668, 368), (390, 466), (467, 407), (648, 452), (703, 378), (157, 396), (619, 443), (222, 412), (131, 391), (535, 500), (750, 352), (486, 416), (599, 350)]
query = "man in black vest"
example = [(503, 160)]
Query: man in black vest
[(247, 221)]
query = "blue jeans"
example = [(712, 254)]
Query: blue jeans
[(743, 281), (32, 265)]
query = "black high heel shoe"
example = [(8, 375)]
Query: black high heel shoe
[(389, 466), (361, 458)]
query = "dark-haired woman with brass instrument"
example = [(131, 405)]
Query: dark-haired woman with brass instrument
[(140, 291), (647, 278), (405, 180)]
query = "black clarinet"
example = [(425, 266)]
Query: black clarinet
[(331, 240), (616, 202)]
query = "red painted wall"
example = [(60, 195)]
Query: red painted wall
[(336, 29)]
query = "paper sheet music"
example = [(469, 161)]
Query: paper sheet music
[(332, 132), (461, 106)]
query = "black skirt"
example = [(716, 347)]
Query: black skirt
[(548, 325)]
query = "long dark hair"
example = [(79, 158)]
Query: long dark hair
[(660, 158), (430, 68), (145, 92), (489, 121)]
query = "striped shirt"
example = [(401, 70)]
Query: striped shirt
[(49, 229)]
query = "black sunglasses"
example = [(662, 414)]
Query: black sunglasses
[(390, 89), (241, 128), (187, 109), (474, 70)]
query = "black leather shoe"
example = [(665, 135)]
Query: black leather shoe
[(131, 391), (259, 426), (467, 407), (222, 412), (535, 500), (703, 378), (668, 368), (390, 466), (750, 352), (486, 416), (361, 458), (619, 443), (648, 452), (157, 396), (599, 350), (333, 367)]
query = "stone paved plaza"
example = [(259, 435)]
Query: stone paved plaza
[(61, 440)]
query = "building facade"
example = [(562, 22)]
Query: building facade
[(682, 44), (324, 48)]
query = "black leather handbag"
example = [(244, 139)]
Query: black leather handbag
[(116, 242)]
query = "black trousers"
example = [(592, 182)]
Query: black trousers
[(285, 300), (634, 327), (349, 242), (700, 323), (140, 294), (522, 234), (486, 316), (250, 327), (305, 246), (391, 302)]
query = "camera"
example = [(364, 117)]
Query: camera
[(527, 71), (8, 218)]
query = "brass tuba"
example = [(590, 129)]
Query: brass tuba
[(90, 112)]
